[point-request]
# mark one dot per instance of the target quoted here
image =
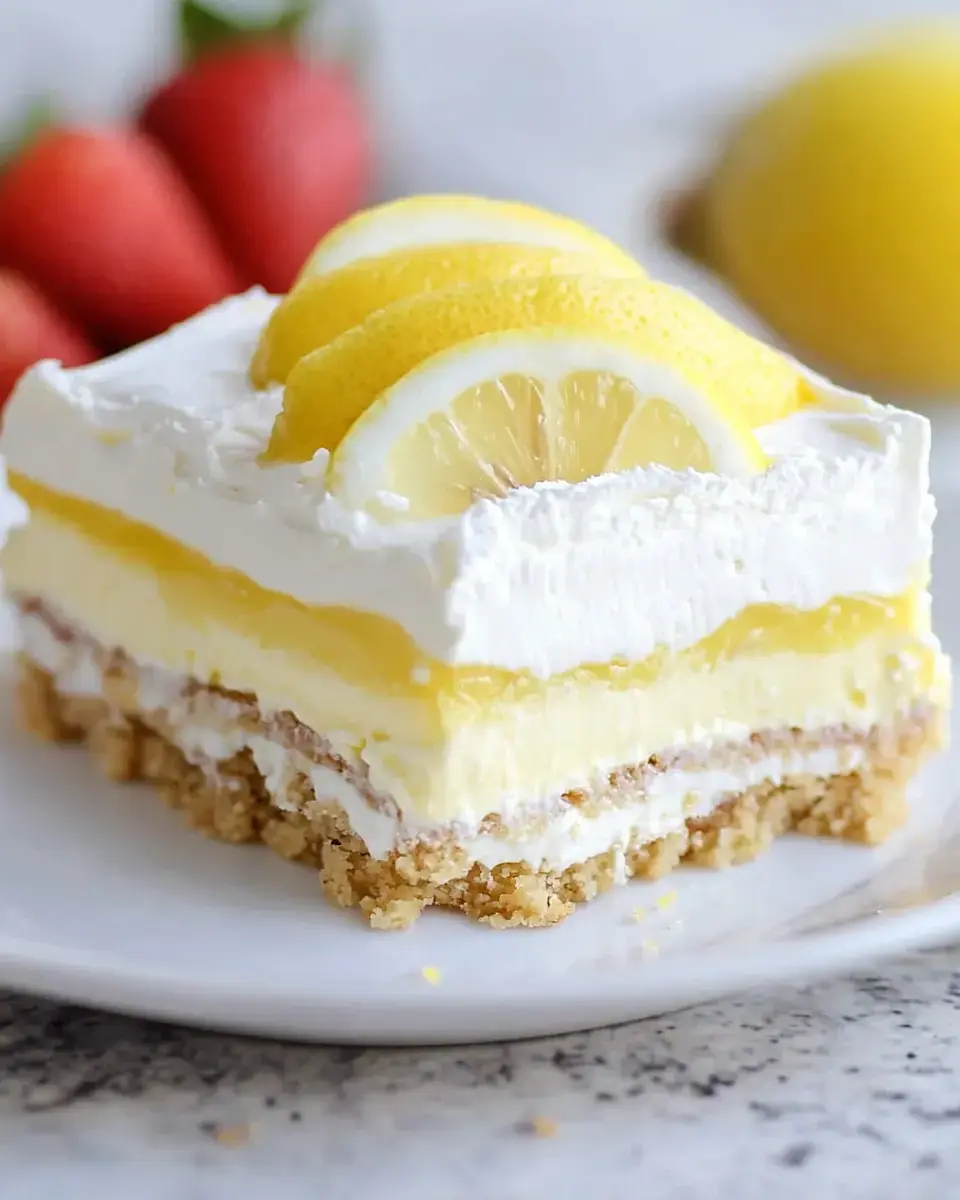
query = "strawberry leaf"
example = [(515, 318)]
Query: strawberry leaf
[(204, 29)]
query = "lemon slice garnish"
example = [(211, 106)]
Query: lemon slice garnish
[(330, 388), (435, 220), (321, 307), (508, 410)]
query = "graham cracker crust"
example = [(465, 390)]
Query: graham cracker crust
[(231, 803)]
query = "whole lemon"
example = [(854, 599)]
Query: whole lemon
[(835, 212)]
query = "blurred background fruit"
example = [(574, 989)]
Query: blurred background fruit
[(275, 146), (230, 173), (32, 328), (834, 212), (592, 109), (104, 223)]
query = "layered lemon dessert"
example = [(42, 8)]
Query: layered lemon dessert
[(480, 571)]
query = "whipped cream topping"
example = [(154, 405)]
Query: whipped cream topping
[(170, 434)]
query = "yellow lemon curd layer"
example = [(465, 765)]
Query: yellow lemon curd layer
[(452, 740)]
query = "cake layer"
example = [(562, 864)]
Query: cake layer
[(502, 658), (245, 778), (171, 435), (378, 655), (520, 750)]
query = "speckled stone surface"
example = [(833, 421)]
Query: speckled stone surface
[(849, 1089)]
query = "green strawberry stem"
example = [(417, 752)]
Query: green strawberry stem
[(39, 115), (204, 28)]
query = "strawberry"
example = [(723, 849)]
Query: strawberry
[(31, 328), (274, 146), (102, 221)]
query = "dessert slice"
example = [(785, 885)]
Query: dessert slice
[(512, 592)]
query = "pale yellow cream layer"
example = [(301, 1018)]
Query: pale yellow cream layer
[(466, 739)]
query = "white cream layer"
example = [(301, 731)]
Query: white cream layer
[(170, 434), (561, 839), (517, 755)]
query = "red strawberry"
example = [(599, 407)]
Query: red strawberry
[(31, 328), (102, 221), (274, 146)]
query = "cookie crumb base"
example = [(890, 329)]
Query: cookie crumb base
[(232, 804)]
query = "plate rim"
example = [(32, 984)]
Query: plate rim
[(319, 1007), (450, 1013)]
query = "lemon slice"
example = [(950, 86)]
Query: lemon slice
[(329, 389), (435, 220), (321, 307), (507, 410)]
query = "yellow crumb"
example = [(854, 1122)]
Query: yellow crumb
[(233, 1135), (432, 975), (667, 900), (650, 946), (640, 914), (545, 1127), (113, 437)]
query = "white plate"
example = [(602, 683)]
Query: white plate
[(107, 899)]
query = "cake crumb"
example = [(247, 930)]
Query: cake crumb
[(650, 946), (542, 1127), (232, 1135), (432, 975), (667, 900), (639, 914)]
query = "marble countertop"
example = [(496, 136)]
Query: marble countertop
[(847, 1089)]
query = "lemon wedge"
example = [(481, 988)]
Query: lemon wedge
[(332, 387), (320, 307), (512, 409), (435, 220)]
